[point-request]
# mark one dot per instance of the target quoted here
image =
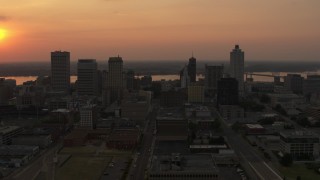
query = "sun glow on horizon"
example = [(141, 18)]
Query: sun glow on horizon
[(3, 33)]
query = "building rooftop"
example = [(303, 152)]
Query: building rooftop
[(170, 113), (254, 126), (7, 129), (298, 134), (188, 163)]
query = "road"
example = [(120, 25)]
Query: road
[(254, 165), (138, 168)]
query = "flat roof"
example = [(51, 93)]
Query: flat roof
[(8, 129), (188, 163)]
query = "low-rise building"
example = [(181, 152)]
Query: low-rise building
[(302, 145), (175, 166), (77, 137), (254, 129), (9, 132), (42, 141), (231, 112), (171, 125), (123, 139)]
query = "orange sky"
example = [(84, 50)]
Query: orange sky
[(166, 29)]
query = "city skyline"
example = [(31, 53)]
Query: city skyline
[(159, 30)]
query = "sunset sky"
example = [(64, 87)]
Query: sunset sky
[(159, 30)]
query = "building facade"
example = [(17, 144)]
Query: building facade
[(228, 93), (192, 69), (87, 83), (88, 116), (60, 71), (115, 78), (302, 145), (212, 75)]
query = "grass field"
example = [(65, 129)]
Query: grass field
[(301, 170), (82, 168)]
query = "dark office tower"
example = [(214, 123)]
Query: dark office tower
[(228, 92), (115, 78), (212, 75), (87, 77), (130, 80), (237, 67), (60, 71), (294, 83), (192, 69)]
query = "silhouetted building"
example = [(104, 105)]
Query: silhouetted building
[(115, 79), (130, 79), (192, 69), (212, 75), (60, 71), (87, 83), (294, 83), (228, 92), (172, 98), (237, 67), (311, 84), (146, 81)]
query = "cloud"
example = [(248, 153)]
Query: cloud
[(3, 18)]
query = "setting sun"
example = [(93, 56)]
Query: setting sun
[(3, 34)]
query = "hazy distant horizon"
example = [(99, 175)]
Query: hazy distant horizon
[(159, 67)]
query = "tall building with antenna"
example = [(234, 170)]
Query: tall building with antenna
[(237, 67), (192, 69)]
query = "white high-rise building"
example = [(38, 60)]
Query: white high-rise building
[(87, 83), (60, 71), (185, 79), (237, 67), (88, 116)]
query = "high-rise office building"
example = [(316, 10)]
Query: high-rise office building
[(192, 69), (212, 75), (228, 92), (87, 83), (184, 77), (311, 84), (115, 80), (60, 71), (88, 116), (237, 66)]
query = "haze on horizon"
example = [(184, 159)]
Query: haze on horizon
[(155, 30)]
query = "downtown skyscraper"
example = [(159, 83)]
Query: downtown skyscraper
[(87, 83), (60, 71), (237, 67), (115, 78), (192, 69)]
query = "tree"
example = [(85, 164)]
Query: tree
[(286, 160)]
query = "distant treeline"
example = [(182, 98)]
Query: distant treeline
[(159, 67)]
